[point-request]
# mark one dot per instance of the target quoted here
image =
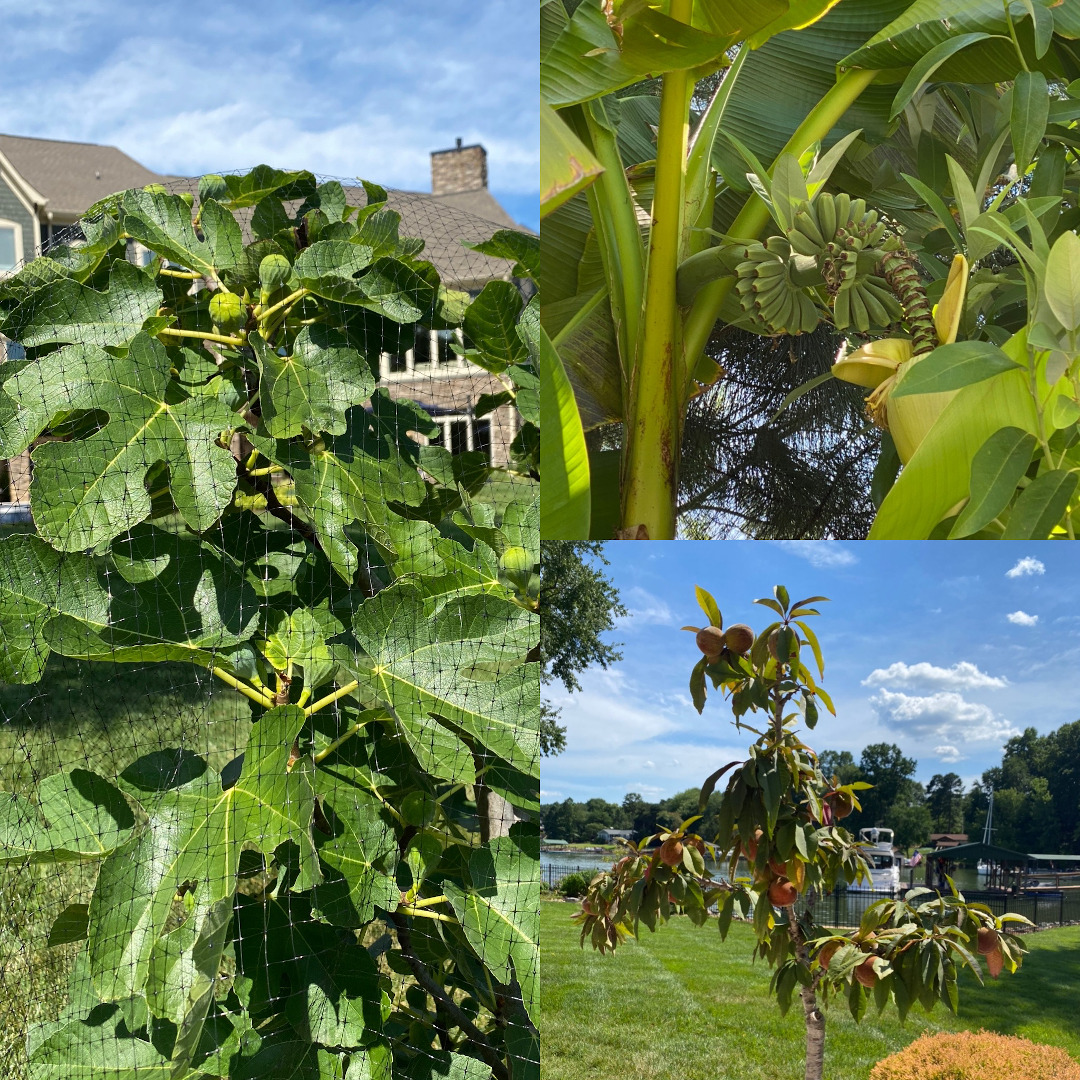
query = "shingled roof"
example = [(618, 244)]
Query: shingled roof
[(70, 176)]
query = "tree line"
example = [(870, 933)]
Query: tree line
[(1036, 799)]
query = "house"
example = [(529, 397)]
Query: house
[(939, 840), (46, 185), (609, 836)]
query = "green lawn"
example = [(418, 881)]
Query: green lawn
[(682, 1005), (99, 717)]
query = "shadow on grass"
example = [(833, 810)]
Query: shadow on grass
[(1039, 1001)]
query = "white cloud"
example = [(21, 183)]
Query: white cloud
[(961, 676), (1026, 566), (610, 713), (945, 717), (948, 754), (644, 609), (1022, 618), (824, 554), (358, 89)]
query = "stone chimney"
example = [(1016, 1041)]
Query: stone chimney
[(462, 169)]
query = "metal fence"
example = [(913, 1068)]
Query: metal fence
[(845, 907), (553, 873)]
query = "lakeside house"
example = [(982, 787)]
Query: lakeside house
[(610, 836), (47, 184), (939, 840)]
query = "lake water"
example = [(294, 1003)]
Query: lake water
[(564, 862)]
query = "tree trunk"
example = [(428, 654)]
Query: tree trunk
[(814, 1017)]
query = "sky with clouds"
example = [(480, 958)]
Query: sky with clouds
[(946, 650), (349, 88)]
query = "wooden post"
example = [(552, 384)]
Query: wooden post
[(19, 478)]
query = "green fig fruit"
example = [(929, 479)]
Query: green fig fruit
[(227, 311)]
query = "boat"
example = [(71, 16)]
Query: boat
[(982, 868), (882, 859)]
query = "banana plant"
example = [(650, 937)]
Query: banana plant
[(638, 267)]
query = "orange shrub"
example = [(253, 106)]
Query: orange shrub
[(982, 1055)]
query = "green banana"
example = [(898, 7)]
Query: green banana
[(843, 209), (804, 223), (779, 245), (874, 307), (802, 244), (857, 211), (859, 315), (885, 296), (825, 208), (808, 314), (771, 306), (773, 268), (842, 309)]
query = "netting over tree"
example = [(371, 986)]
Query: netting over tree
[(269, 681)]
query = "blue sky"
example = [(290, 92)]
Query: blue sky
[(946, 649), (362, 88)]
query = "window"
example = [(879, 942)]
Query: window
[(54, 234), (11, 350), (11, 246), (432, 351), (460, 433)]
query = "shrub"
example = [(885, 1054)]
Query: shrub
[(574, 884), (981, 1055)]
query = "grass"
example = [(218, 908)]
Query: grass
[(99, 717), (682, 1005)]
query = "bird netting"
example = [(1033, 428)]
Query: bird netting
[(269, 685)]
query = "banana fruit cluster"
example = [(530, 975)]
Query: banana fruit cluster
[(843, 236), (767, 293)]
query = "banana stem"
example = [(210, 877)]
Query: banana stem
[(651, 446), (898, 269)]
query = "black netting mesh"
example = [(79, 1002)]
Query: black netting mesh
[(269, 695)]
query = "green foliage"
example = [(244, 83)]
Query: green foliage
[(593, 1008), (219, 480), (779, 812), (574, 884)]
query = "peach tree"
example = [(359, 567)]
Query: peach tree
[(781, 814), (221, 478)]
